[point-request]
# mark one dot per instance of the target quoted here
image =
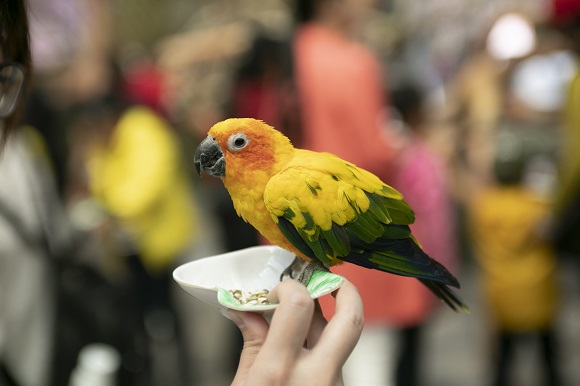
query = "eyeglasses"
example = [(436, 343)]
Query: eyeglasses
[(11, 81)]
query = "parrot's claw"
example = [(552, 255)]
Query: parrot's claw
[(302, 270)]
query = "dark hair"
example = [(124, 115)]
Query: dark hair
[(15, 46), (304, 10), (408, 100), (512, 155)]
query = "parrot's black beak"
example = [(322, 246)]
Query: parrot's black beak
[(209, 158)]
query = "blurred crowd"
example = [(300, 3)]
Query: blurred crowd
[(470, 108)]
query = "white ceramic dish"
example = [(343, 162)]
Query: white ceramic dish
[(251, 269)]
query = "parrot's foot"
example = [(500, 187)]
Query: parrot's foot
[(302, 270)]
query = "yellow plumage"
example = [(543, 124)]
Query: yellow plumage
[(317, 205), (276, 177)]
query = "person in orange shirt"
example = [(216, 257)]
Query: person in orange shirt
[(343, 105), (340, 87)]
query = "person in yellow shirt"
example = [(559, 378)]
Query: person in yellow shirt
[(136, 175), (518, 267)]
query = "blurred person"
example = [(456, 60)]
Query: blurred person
[(37, 241), (566, 17), (342, 103), (33, 227), (518, 266), (298, 347), (420, 175), (510, 221), (135, 175), (476, 98)]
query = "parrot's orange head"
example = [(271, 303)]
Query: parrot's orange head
[(241, 144)]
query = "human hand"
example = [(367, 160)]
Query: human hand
[(298, 347)]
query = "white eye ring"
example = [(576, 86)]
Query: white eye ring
[(238, 141)]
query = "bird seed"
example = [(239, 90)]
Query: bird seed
[(251, 297)]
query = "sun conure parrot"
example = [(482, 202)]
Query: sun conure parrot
[(316, 205)]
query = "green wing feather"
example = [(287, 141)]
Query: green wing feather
[(333, 211)]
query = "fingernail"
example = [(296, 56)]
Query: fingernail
[(236, 317)]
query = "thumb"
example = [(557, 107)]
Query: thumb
[(254, 329)]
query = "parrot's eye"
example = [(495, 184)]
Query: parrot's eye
[(237, 141)]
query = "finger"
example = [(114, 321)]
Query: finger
[(290, 322), (343, 330), (316, 327), (254, 330)]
